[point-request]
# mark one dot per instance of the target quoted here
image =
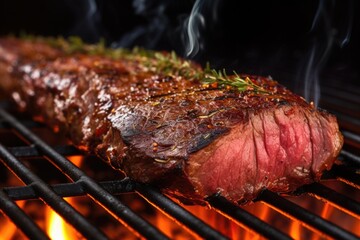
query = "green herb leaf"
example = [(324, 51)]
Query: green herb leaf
[(221, 79)]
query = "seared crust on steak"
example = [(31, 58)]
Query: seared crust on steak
[(192, 139)]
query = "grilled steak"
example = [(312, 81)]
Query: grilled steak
[(164, 120)]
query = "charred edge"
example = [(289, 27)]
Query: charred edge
[(176, 179), (203, 140)]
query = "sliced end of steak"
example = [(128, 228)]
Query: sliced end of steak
[(278, 149)]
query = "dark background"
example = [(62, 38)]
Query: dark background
[(289, 40)]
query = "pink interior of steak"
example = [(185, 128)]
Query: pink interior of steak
[(277, 149)]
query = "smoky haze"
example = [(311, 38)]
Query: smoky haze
[(291, 41), (324, 35)]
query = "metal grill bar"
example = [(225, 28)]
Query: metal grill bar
[(164, 204), (20, 218), (69, 189), (178, 213), (51, 198), (344, 174), (26, 123), (350, 159), (243, 217), (346, 204), (119, 210), (313, 221), (352, 136), (31, 151), (112, 204)]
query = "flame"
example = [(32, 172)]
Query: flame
[(8, 229), (327, 211), (170, 228), (77, 160), (263, 212), (57, 228), (295, 230), (356, 227), (228, 226)]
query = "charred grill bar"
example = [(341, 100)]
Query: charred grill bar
[(305, 216), (24, 222), (44, 192), (245, 218), (105, 193)]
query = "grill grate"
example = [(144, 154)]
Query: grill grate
[(93, 189), (104, 193), (305, 216)]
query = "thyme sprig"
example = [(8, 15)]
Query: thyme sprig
[(220, 79), (172, 65)]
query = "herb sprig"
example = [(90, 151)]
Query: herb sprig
[(222, 80), (171, 64), (168, 64)]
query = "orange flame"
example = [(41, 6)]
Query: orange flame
[(357, 227), (8, 229), (171, 229), (77, 160), (57, 228), (327, 211), (295, 230)]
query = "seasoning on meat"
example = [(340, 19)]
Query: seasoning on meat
[(161, 119)]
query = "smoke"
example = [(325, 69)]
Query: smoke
[(143, 23), (152, 32), (195, 24), (88, 24), (349, 25), (326, 36), (171, 24), (159, 24)]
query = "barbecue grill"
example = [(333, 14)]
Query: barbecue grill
[(18, 157), (37, 165)]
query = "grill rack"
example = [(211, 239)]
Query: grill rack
[(104, 194)]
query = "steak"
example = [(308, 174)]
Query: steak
[(164, 120)]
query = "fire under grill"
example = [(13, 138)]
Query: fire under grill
[(26, 161)]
